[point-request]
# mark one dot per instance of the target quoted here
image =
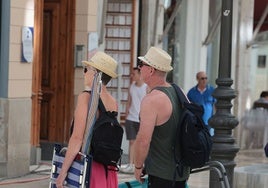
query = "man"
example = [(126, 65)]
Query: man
[(136, 93), (159, 115), (202, 94)]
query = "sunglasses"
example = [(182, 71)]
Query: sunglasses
[(89, 68), (203, 78), (141, 64), (85, 69)]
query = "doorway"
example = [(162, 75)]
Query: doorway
[(53, 74)]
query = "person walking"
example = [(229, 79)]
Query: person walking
[(99, 176), (159, 116), (202, 94), (136, 93)]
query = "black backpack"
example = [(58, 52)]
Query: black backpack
[(192, 136), (107, 138)]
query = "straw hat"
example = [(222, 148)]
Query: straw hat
[(104, 63), (157, 58)]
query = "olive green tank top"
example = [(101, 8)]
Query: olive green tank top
[(160, 159)]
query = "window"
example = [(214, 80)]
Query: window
[(119, 27), (261, 61)]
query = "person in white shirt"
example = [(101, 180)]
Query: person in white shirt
[(137, 91)]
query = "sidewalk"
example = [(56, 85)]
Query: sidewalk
[(39, 176)]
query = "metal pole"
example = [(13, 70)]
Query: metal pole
[(224, 148), (226, 39)]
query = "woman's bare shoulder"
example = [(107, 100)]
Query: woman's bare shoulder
[(110, 103)]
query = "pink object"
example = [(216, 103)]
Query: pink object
[(98, 177)]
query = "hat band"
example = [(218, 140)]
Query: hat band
[(152, 65), (147, 60)]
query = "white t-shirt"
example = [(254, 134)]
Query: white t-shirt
[(137, 93)]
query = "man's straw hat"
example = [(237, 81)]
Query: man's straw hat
[(157, 58), (104, 63)]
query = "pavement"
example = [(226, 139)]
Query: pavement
[(39, 174)]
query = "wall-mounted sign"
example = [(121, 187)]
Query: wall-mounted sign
[(79, 55), (92, 44), (27, 44)]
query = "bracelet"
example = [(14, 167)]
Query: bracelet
[(139, 167)]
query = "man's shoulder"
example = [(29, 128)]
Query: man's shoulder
[(155, 96), (210, 86), (157, 102), (192, 90), (132, 85), (155, 93)]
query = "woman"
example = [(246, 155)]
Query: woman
[(107, 65)]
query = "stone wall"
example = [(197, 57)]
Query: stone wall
[(3, 137), (15, 132)]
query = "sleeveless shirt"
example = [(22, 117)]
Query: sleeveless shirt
[(160, 159)]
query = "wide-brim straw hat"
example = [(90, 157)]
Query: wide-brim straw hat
[(157, 58), (104, 63)]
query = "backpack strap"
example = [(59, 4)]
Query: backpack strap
[(182, 99), (101, 106), (181, 95)]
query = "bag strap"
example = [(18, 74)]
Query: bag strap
[(181, 95), (101, 106), (182, 99)]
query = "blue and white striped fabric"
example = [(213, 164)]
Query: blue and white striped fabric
[(92, 111), (79, 172)]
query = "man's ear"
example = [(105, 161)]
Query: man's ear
[(152, 71)]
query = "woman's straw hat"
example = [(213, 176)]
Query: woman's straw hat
[(157, 58), (104, 63)]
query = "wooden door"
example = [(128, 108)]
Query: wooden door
[(49, 78), (53, 71)]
